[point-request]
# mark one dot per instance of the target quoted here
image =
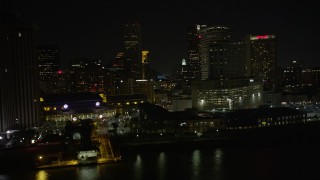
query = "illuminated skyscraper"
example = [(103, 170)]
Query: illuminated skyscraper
[(117, 73), (119, 61), (292, 76), (132, 49), (19, 88), (87, 75), (49, 61), (224, 83), (221, 57), (193, 60), (49, 64), (145, 65), (262, 54)]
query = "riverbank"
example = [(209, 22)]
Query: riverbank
[(292, 134), (43, 157)]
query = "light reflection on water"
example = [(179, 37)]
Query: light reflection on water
[(88, 172), (162, 165), (195, 161), (41, 175), (138, 167), (215, 163)]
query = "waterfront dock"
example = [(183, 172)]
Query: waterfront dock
[(69, 163)]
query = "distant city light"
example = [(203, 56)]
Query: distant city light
[(59, 72), (184, 62), (65, 106), (262, 37), (97, 104)]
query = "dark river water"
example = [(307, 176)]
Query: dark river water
[(233, 162)]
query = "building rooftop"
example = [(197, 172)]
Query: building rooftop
[(127, 97), (262, 112), (70, 98)]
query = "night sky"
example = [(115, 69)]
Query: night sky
[(92, 28)]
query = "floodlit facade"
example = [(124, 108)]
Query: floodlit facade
[(225, 71), (57, 109), (209, 95)]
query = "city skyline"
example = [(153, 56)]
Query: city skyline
[(93, 30)]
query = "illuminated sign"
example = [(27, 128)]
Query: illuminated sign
[(262, 37)]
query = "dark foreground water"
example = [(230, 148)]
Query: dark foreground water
[(233, 162)]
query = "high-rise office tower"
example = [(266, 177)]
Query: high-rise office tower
[(224, 83), (292, 75), (87, 75), (221, 57), (49, 61), (262, 54), (311, 77), (19, 89), (49, 64), (145, 65), (117, 72), (119, 61), (193, 60), (133, 49)]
